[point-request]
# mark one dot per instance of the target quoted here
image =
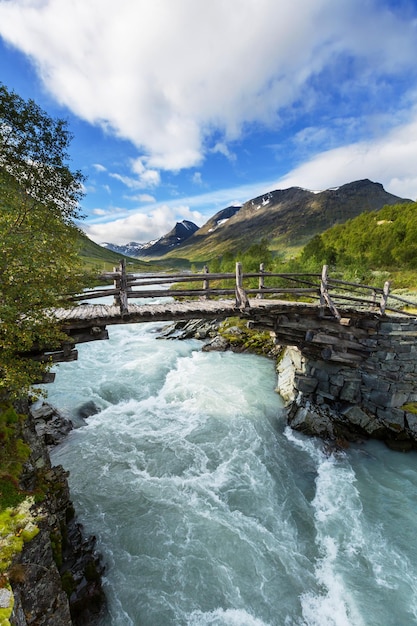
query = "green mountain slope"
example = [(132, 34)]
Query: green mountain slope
[(286, 218), (96, 257), (379, 240)]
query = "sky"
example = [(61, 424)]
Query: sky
[(180, 108)]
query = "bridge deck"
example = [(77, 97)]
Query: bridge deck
[(88, 315)]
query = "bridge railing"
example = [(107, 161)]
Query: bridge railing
[(331, 293)]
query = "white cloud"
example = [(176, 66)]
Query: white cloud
[(390, 160), (140, 226), (197, 178), (146, 177), (143, 179), (142, 197), (222, 148), (170, 76), (99, 168)]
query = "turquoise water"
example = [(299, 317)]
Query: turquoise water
[(208, 510)]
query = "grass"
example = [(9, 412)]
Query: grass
[(95, 257), (17, 522), (410, 408), (236, 332)]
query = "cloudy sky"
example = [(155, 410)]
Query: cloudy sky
[(180, 108)]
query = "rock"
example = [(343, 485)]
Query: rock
[(357, 417), (6, 597), (192, 329), (411, 423), (56, 579), (305, 384), (50, 425), (310, 420), (350, 392), (218, 344), (87, 410), (400, 445)]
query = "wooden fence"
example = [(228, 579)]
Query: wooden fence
[(330, 293)]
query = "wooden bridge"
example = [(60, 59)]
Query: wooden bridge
[(205, 295), (349, 369)]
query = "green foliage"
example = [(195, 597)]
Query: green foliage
[(377, 240), (10, 494), (251, 259), (239, 336), (410, 408), (39, 243), (315, 254), (68, 583), (17, 526), (13, 454), (34, 151)]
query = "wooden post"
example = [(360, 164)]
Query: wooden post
[(123, 288), (242, 301), (206, 283), (116, 285), (325, 297), (384, 297), (261, 285), (373, 305), (323, 289)]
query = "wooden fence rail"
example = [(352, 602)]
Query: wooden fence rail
[(331, 293)]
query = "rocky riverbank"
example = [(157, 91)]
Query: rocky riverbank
[(56, 578), (221, 335)]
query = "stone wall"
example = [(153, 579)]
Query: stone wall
[(352, 378)]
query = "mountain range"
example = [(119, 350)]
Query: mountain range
[(286, 218), (158, 247)]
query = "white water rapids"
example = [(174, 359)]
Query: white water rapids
[(208, 510)]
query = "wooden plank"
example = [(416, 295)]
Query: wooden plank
[(97, 293), (336, 281), (182, 278), (339, 298), (154, 293), (95, 333), (62, 357), (286, 290)]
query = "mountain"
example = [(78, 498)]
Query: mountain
[(220, 218), (158, 247), (287, 218), (180, 233), (130, 249)]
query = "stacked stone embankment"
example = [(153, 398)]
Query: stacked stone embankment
[(352, 378)]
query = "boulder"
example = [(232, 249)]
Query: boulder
[(51, 426)]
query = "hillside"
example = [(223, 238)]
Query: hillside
[(102, 259), (286, 218), (383, 239)]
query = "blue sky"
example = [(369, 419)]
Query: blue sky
[(180, 108)]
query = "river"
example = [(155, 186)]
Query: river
[(209, 510)]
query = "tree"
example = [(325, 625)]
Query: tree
[(39, 262)]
